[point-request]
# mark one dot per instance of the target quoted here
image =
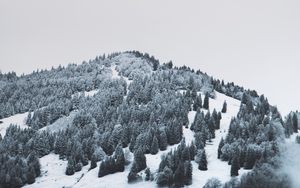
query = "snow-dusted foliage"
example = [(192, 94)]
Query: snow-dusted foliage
[(128, 120)]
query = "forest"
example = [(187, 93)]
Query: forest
[(144, 110)]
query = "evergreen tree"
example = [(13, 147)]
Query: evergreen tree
[(71, 167), (188, 172), (197, 103), (224, 108), (148, 174), (206, 101), (103, 169), (120, 159), (295, 123), (93, 162), (179, 175), (165, 178), (139, 160), (221, 144), (235, 166), (163, 140), (31, 175), (203, 161), (154, 146)]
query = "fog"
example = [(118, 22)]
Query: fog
[(290, 162), (253, 43)]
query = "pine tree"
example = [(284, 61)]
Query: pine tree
[(179, 175), (295, 123), (139, 160), (163, 140), (71, 167), (31, 175), (93, 162), (197, 103), (221, 144), (206, 101), (188, 172), (224, 108), (148, 174), (165, 177), (154, 146), (235, 166), (192, 149), (103, 169), (203, 161), (120, 159)]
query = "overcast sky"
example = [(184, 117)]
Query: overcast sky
[(253, 43)]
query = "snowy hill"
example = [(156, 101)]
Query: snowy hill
[(128, 121)]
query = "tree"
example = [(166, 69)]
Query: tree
[(221, 144), (188, 172), (148, 174), (206, 101), (71, 167), (139, 160), (203, 161), (154, 146), (197, 103), (235, 166), (295, 123), (165, 177), (103, 169), (163, 140), (120, 159), (213, 183), (224, 108), (93, 162), (179, 175), (31, 175)]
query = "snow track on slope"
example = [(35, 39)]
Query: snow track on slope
[(18, 119)]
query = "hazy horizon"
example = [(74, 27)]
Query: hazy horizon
[(254, 44)]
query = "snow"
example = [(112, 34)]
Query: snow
[(53, 173), (61, 124), (217, 168), (18, 119), (53, 169), (87, 93)]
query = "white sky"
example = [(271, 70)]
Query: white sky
[(253, 43)]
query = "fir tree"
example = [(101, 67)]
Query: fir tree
[(163, 140), (120, 159), (93, 162), (295, 123), (206, 101), (202, 161), (197, 103), (179, 175), (235, 166), (148, 174), (224, 108), (221, 144), (188, 172), (31, 175), (70, 167), (154, 146)]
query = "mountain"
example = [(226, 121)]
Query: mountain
[(127, 120)]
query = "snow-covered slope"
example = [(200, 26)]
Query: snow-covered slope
[(18, 119), (53, 168)]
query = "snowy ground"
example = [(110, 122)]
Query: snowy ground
[(216, 167), (53, 173), (18, 119), (61, 124), (53, 169)]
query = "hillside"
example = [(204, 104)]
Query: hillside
[(126, 120)]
